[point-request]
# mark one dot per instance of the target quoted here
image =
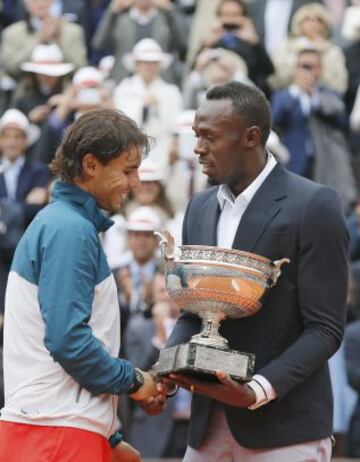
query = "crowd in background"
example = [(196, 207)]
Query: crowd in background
[(155, 60)]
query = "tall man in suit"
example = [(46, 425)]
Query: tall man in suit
[(285, 412)]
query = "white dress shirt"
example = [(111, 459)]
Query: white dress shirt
[(11, 171), (232, 210)]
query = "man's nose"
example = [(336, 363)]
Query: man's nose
[(200, 147), (135, 180)]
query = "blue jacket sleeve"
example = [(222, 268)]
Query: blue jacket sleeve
[(67, 279)]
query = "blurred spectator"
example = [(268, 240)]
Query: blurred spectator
[(23, 187), (19, 39), (85, 93), (184, 176), (344, 395), (164, 435), (272, 19), (151, 192), (135, 276), (234, 30), (355, 114), (351, 32), (148, 99), (213, 66), (73, 10), (44, 78), (126, 22), (115, 242), (310, 120), (311, 28)]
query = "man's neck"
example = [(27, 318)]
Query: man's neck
[(242, 183)]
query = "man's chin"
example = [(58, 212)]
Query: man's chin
[(212, 181)]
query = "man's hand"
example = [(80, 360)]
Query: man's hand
[(50, 30), (39, 113), (124, 452), (37, 196), (228, 391), (149, 389), (154, 405)]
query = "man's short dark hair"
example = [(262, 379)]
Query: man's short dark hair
[(105, 133), (249, 103)]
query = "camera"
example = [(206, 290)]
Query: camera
[(231, 27)]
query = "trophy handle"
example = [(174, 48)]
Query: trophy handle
[(277, 270), (167, 246)]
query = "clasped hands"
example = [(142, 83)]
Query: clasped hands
[(153, 394)]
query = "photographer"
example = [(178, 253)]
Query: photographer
[(235, 31)]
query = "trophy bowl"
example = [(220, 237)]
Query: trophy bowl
[(213, 283)]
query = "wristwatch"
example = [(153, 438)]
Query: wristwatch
[(138, 382), (115, 439)]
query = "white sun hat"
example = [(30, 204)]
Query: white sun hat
[(88, 76), (13, 118), (184, 122), (47, 59), (149, 50), (149, 171), (144, 219)]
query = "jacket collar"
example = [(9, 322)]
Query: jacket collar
[(71, 193)]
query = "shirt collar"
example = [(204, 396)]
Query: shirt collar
[(17, 165), (73, 194), (225, 194)]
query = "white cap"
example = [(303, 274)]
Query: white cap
[(144, 219), (47, 59), (88, 76), (149, 171), (184, 122), (147, 49), (13, 118)]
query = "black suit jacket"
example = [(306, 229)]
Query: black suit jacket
[(302, 320), (33, 174)]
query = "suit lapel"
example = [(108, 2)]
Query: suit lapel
[(22, 182), (263, 208), (211, 213), (3, 191)]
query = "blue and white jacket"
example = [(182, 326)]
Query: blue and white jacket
[(62, 325)]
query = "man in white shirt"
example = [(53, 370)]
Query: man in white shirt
[(285, 412)]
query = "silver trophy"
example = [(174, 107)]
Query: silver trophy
[(215, 284)]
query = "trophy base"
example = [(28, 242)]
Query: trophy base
[(203, 361)]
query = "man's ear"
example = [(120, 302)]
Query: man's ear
[(253, 136), (90, 165)]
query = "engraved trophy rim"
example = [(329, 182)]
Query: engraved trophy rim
[(216, 249)]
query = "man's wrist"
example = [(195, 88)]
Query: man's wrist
[(115, 439), (137, 383), (263, 390)]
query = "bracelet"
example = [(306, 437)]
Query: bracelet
[(115, 439)]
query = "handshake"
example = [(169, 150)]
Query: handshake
[(150, 392)]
